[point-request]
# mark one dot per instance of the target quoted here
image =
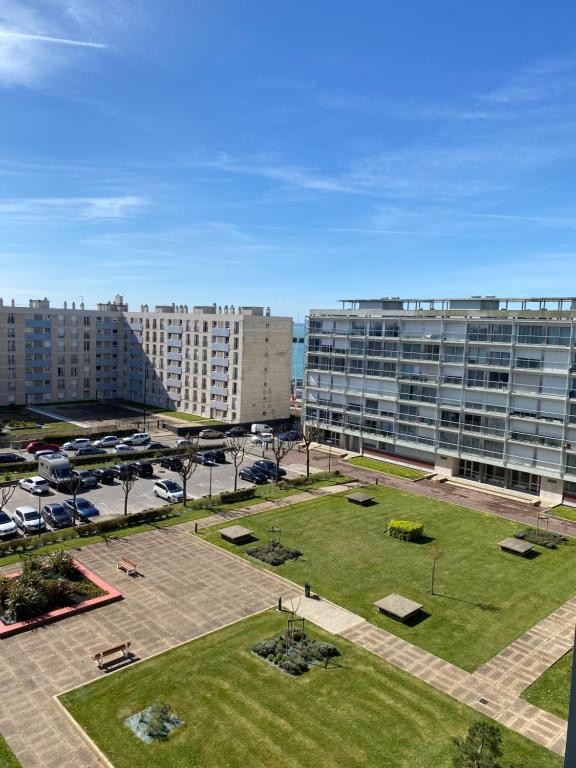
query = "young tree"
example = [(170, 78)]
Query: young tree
[(480, 748), (128, 482), (279, 449), (311, 431), (436, 552), (236, 446), (6, 494), (74, 485), (188, 465)]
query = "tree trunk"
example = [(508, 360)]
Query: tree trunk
[(125, 505), (235, 477), (307, 460)]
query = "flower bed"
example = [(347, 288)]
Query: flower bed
[(274, 553), (48, 589), (294, 653)]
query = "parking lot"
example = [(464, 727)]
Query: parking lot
[(109, 499)]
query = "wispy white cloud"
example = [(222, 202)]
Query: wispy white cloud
[(69, 208), (48, 39), (541, 81)]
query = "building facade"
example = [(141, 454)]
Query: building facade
[(480, 388), (298, 353), (216, 362)]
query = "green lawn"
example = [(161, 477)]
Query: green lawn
[(552, 691), (239, 711), (386, 467), (567, 513), (486, 599), (200, 420), (7, 759)]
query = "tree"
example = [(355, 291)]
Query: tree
[(311, 431), (75, 483), (480, 748), (6, 494), (279, 449), (128, 482), (236, 446), (187, 465), (436, 552)]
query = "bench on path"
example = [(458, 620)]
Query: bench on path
[(123, 648), (360, 498), (398, 607), (236, 534), (515, 546), (124, 564)]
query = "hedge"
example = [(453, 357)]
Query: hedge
[(405, 530), (242, 494)]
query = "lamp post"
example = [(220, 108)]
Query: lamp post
[(210, 483)]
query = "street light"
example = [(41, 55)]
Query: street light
[(210, 483)]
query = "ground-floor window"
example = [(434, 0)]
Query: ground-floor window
[(499, 476)]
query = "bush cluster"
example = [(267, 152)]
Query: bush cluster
[(296, 482), (242, 494), (295, 655), (405, 530), (273, 553), (548, 539)]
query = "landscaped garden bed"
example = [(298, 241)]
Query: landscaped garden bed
[(274, 553), (47, 589), (548, 539), (240, 711), (294, 652)]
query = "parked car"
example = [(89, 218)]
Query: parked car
[(169, 490), (171, 462), (204, 457), (122, 471), (79, 442), (107, 442), (263, 438), (218, 455), (104, 475), (84, 508), (122, 448), (253, 475), (183, 442), (290, 434), (56, 516), (156, 446), (46, 452), (210, 434), (8, 458), (90, 450), (269, 467), (37, 485), (87, 478), (40, 445), (235, 432), (142, 468), (139, 438), (7, 525), (28, 520), (257, 428)]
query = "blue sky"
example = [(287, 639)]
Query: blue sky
[(287, 153)]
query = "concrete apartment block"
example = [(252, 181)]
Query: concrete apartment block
[(217, 362), (482, 388)]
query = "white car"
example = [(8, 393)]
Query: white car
[(123, 448), (79, 442), (107, 442), (263, 438), (183, 442), (140, 438), (7, 525), (37, 485), (169, 490), (28, 520)]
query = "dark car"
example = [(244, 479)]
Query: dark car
[(235, 432), (269, 468), (40, 445), (142, 468), (291, 434), (171, 462), (56, 516), (218, 455), (204, 457), (84, 508), (89, 450), (87, 478), (123, 471), (8, 458), (104, 475), (253, 475), (155, 446)]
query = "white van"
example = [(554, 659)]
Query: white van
[(255, 429)]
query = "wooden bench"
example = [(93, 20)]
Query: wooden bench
[(398, 607), (360, 498), (124, 564), (516, 546), (123, 648)]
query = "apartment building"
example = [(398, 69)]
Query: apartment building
[(482, 388), (216, 362)]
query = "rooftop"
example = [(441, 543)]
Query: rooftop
[(523, 304)]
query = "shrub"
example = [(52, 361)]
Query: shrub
[(61, 563), (58, 592), (242, 494), (548, 539), (273, 553), (406, 530)]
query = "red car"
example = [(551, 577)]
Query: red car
[(39, 445)]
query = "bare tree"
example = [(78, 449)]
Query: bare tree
[(75, 483), (436, 552), (128, 482), (187, 465), (311, 431), (279, 449), (236, 446), (6, 494)]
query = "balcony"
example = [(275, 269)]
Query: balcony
[(546, 441), (136, 327), (174, 344), (175, 329), (221, 332), (220, 347), (217, 376), (38, 323), (218, 405), (176, 356), (222, 361), (106, 325), (223, 391), (174, 369)]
